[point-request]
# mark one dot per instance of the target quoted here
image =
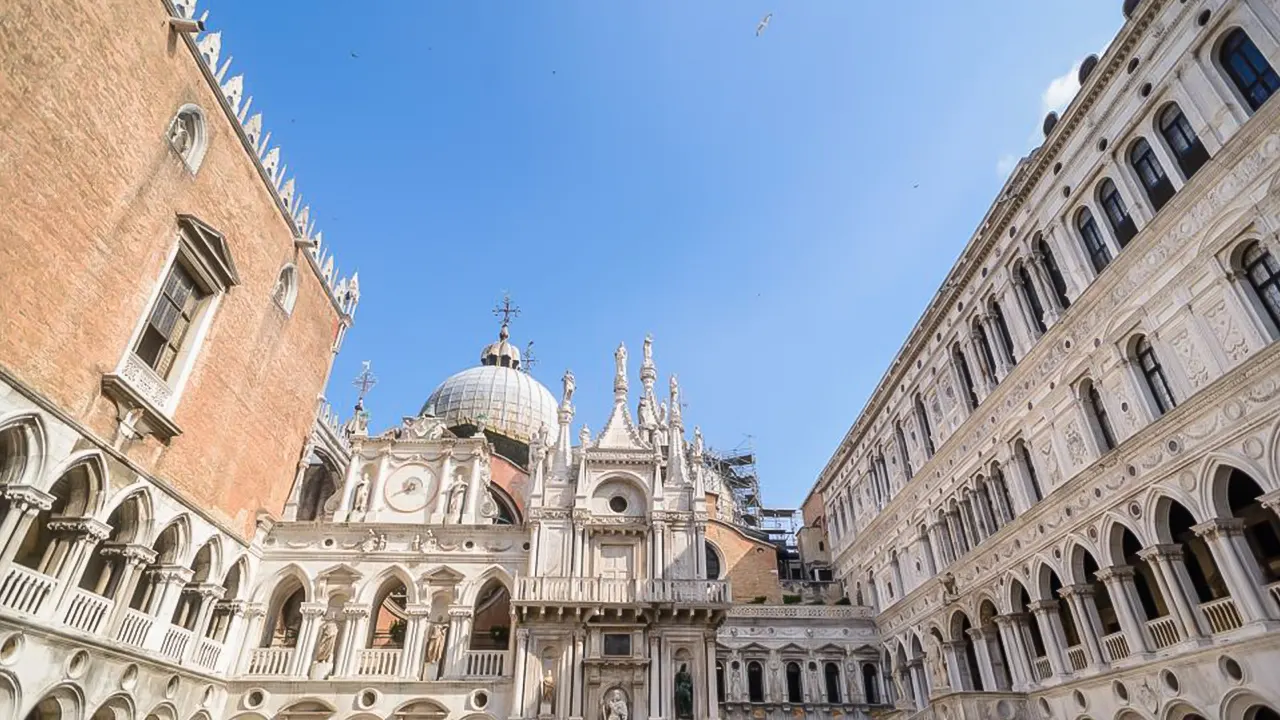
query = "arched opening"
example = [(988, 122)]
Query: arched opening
[(1262, 272), (971, 673), (831, 675), (1056, 278), (1034, 490), (1182, 140), (285, 292), (755, 682), (284, 614), (1114, 644), (1027, 288), (168, 547), (712, 560), (1149, 171), (1248, 69), (116, 707), (922, 418), (1032, 631), (320, 482), (1051, 588), (222, 610), (1117, 213), (966, 377), (870, 687), (104, 570), (1207, 582), (795, 683), (1261, 712), (1144, 358), (63, 703), (491, 618), (1097, 417), (388, 622), (1261, 526), (986, 357), (996, 650), (187, 612), (75, 495), (720, 682), (15, 449), (1003, 335)]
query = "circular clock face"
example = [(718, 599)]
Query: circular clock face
[(410, 493)]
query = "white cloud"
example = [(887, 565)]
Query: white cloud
[(1061, 90), (1006, 165)]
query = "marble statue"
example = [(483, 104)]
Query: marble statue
[(328, 638), (648, 351), (620, 360), (615, 705), (180, 136), (735, 684), (548, 692), (684, 693), (569, 386), (360, 502), (435, 641), (457, 495)]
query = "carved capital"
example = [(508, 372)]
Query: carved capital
[(1044, 607), (1116, 572), (1080, 590), (170, 574), (205, 590), (313, 609), (1161, 553), (232, 607), (133, 554), (354, 611), (1224, 527), (27, 498), (255, 610)]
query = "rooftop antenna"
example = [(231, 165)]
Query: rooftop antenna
[(364, 382), (529, 359)]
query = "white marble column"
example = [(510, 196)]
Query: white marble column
[(415, 641), (355, 618), (579, 691), (459, 641), (1084, 611), (1046, 612), (1169, 568), (713, 704), (312, 617), (1124, 598), (655, 670), (986, 671), (25, 504), (1240, 571), (519, 699), (1015, 654)]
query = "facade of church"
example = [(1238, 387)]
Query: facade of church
[(1062, 499), (1061, 502)]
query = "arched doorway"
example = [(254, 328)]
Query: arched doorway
[(1261, 526)]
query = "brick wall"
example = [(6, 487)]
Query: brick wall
[(91, 188), (749, 564)]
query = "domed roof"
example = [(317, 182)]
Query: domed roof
[(508, 401)]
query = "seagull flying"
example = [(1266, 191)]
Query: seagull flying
[(764, 23)]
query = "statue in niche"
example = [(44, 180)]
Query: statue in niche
[(457, 496), (548, 693), (360, 500), (735, 683), (328, 638), (180, 134), (615, 701), (684, 693), (897, 685), (435, 641)]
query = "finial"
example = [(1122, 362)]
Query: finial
[(620, 376), (507, 311), (584, 436), (648, 351), (364, 382), (529, 359)]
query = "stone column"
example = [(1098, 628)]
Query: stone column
[(132, 558), (983, 651), (713, 703), (81, 535), (305, 650), (996, 340), (458, 641), (1085, 612), (1046, 612), (1240, 571), (579, 691), (1044, 289), (699, 548), (1170, 572), (168, 581), (415, 637), (655, 676), (918, 684), (235, 612), (518, 696), (1124, 598), (25, 504), (1015, 657), (354, 619), (209, 594), (953, 653), (255, 615)]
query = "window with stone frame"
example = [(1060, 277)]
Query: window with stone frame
[(170, 320), (1099, 419), (1148, 364), (1182, 140), (1095, 247), (1262, 273), (1149, 170), (1248, 69)]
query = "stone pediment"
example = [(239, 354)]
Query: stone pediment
[(208, 249), (619, 432), (443, 575), (340, 574)]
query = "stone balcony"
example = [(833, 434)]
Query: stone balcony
[(631, 591)]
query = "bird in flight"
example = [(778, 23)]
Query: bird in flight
[(764, 23)]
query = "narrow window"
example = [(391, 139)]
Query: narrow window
[(1055, 273), (713, 562), (988, 358), (882, 474), (1154, 181), (1263, 272), (1002, 332), (1099, 255), (923, 418), (1028, 290), (1093, 403), (171, 317), (617, 644), (832, 673), (719, 682), (795, 686), (1157, 383), (903, 455), (1184, 143), (1117, 214), (755, 682), (1037, 494), (1248, 69), (966, 378)]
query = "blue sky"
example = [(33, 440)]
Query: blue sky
[(775, 210)]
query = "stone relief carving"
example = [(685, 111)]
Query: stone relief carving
[(1184, 347), (1223, 325)]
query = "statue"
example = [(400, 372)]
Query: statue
[(615, 705), (548, 693), (457, 495), (897, 685), (937, 666), (180, 136), (324, 644), (684, 693), (584, 437), (648, 351), (360, 502), (735, 685), (435, 641), (569, 386), (620, 359), (949, 584), (697, 441), (370, 542)]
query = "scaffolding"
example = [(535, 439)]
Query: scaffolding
[(737, 472)]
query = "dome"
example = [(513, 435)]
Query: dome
[(508, 400)]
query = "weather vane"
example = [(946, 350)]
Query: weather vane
[(507, 310), (529, 358), (364, 382)]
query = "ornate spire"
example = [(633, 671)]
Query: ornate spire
[(647, 410), (677, 422)]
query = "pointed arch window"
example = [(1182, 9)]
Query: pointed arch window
[(904, 456), (923, 418), (1182, 140), (1263, 273), (987, 358), (1002, 332), (1024, 455), (1117, 214), (1099, 255), (1248, 69), (1056, 277), (1147, 166), (1098, 413), (1153, 373), (966, 377)]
